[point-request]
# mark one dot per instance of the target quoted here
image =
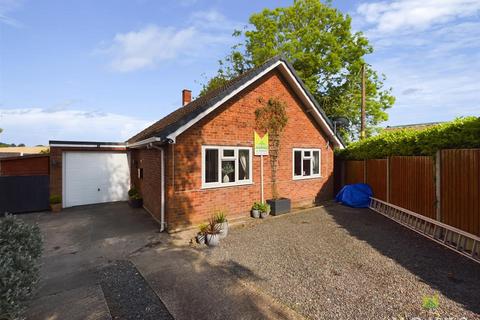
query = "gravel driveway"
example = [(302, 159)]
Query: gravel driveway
[(343, 263)]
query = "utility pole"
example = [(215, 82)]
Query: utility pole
[(363, 119)]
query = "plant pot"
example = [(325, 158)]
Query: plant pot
[(226, 179), (56, 207), (255, 214), (279, 206), (135, 203), (223, 227), (200, 238), (213, 240), (263, 215)]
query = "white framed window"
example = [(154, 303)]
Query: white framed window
[(306, 163), (224, 166)]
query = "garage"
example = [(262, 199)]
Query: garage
[(89, 172)]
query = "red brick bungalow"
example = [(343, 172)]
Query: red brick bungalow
[(177, 162)]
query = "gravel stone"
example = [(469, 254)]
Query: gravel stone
[(128, 295), (335, 262)]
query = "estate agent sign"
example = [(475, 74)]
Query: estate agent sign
[(261, 144)]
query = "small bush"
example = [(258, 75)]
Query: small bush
[(202, 228), (220, 217), (263, 207), (20, 249), (257, 206), (133, 192), (55, 199)]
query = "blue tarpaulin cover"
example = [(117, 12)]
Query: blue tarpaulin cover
[(355, 195)]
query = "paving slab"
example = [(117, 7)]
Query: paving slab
[(191, 288), (85, 303)]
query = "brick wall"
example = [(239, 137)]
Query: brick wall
[(25, 166), (233, 125), (150, 184)]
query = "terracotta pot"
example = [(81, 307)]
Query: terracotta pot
[(56, 207)]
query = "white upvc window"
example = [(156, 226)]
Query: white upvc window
[(224, 166), (306, 163)]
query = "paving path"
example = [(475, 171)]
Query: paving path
[(191, 288)]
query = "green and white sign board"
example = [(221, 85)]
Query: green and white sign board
[(261, 144)]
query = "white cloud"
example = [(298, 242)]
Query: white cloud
[(6, 8), (429, 53), (39, 125), (153, 44), (411, 15)]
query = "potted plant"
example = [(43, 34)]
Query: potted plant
[(212, 233), (56, 203), (226, 170), (272, 118), (256, 210), (221, 220), (135, 199), (264, 210), (201, 233)]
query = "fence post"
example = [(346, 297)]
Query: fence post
[(388, 179), (438, 176), (364, 171)]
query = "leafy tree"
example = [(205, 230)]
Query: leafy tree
[(317, 39)]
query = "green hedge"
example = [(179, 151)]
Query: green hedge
[(458, 134), (20, 249)]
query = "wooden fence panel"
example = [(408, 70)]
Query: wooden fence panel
[(377, 177), (354, 171), (460, 189), (412, 184)]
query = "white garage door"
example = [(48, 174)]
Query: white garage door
[(95, 177)]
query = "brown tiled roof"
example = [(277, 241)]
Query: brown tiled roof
[(181, 112), (175, 120)]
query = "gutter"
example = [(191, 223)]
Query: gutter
[(144, 142)]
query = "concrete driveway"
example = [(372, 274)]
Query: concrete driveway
[(109, 261), (78, 242)]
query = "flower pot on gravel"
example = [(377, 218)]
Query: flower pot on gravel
[(263, 214), (221, 223), (255, 214), (223, 228), (280, 206), (213, 240), (200, 238), (212, 232)]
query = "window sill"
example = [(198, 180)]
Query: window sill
[(307, 177), (225, 185)]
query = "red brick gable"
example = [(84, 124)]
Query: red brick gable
[(233, 124)]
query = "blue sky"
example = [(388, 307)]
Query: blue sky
[(103, 70)]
